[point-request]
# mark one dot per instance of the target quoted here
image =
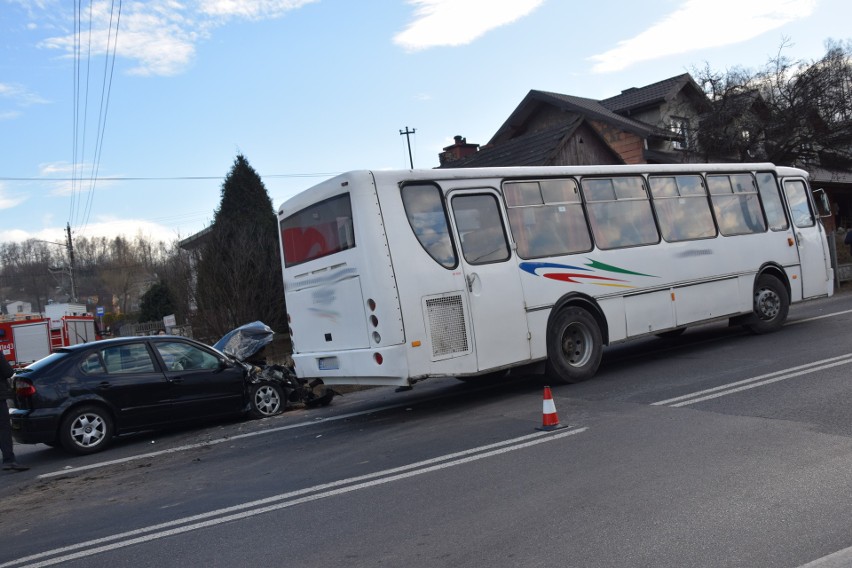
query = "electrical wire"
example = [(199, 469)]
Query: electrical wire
[(102, 117), (80, 211)]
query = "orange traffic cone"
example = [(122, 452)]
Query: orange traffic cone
[(550, 421)]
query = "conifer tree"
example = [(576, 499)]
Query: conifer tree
[(239, 272)]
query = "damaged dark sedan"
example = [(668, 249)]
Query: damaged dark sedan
[(80, 397)]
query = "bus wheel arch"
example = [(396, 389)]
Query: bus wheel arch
[(576, 334)]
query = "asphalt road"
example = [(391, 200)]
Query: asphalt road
[(716, 448)]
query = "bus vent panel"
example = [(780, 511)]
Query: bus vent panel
[(447, 329)]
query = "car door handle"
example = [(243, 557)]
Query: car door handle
[(104, 385), (175, 379)]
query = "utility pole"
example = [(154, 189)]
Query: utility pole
[(408, 141), (70, 245)]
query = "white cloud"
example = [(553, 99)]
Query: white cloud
[(161, 35), (7, 201), (701, 24), (111, 227), (20, 95), (250, 9), (458, 22), (106, 227)]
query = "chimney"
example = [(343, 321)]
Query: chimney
[(460, 149)]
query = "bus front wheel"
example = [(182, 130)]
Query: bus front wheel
[(574, 346), (771, 304)]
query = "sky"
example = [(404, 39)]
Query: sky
[(121, 117)]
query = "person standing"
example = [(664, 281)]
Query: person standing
[(9, 462)]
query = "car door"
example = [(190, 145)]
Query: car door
[(201, 384), (128, 378)]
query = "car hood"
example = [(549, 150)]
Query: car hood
[(246, 340)]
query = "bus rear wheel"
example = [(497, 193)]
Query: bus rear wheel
[(771, 304), (574, 346)]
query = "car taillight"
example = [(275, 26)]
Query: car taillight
[(24, 388)]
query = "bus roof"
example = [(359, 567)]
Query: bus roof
[(335, 185)]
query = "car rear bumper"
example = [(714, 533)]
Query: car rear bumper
[(29, 428)]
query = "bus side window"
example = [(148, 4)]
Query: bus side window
[(682, 207), (546, 217), (736, 204), (481, 227), (772, 204), (428, 219), (797, 197), (620, 212)]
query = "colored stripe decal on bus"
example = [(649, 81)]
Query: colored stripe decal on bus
[(610, 268), (554, 271)]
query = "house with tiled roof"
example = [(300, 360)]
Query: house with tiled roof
[(651, 124)]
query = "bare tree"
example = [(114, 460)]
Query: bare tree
[(26, 272), (788, 112)]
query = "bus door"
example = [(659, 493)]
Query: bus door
[(810, 239), (493, 283)]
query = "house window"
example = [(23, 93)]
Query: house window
[(680, 126)]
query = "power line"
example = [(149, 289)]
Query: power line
[(102, 116), (167, 178)]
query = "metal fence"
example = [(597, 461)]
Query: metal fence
[(153, 328)]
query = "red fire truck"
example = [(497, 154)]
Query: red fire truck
[(28, 339)]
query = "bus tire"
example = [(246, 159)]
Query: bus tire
[(771, 304), (574, 346)]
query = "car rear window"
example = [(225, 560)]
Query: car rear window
[(48, 361)]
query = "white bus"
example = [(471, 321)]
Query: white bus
[(395, 276)]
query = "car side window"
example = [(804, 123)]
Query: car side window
[(92, 364), (126, 359), (179, 356)]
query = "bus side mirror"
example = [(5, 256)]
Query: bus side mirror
[(823, 205)]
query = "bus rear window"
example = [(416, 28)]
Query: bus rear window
[(317, 231)]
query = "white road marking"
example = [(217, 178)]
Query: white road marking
[(840, 559), (149, 455), (284, 500), (831, 315), (753, 382)]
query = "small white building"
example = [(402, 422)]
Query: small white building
[(19, 307)]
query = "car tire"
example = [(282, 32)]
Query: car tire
[(267, 399), (86, 430)]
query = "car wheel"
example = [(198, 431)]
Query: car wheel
[(86, 430), (267, 399)]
